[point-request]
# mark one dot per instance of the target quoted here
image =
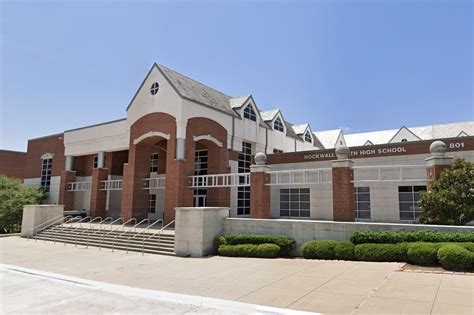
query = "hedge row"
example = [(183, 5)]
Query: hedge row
[(389, 237), (250, 250), (452, 256), (285, 243)]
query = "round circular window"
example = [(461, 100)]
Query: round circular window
[(154, 88)]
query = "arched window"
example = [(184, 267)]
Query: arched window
[(404, 140), (278, 125), (307, 137), (249, 113)]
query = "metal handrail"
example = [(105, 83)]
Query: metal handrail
[(55, 219), (53, 223), (77, 235), (54, 228), (99, 229), (96, 218), (71, 227), (143, 230), (159, 236), (80, 226), (135, 226), (123, 229)]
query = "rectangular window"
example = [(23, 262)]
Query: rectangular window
[(362, 203), (151, 203), (153, 162), (294, 203), (276, 151), (46, 166), (200, 168), (243, 193), (96, 161), (408, 197)]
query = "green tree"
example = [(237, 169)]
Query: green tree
[(13, 196), (450, 199)]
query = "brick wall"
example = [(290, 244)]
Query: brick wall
[(12, 163), (37, 147)]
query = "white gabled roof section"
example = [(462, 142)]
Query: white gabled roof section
[(300, 129), (368, 142), (238, 102), (328, 138), (269, 115), (462, 134), (404, 134)]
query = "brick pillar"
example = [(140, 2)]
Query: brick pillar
[(177, 191), (98, 196), (66, 197), (438, 161), (343, 196), (259, 190)]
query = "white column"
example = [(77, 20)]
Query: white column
[(100, 159), (181, 139), (69, 163)]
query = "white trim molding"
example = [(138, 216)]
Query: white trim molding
[(47, 155), (209, 138), (150, 134)]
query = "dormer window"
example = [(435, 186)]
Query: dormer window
[(278, 125), (249, 113), (307, 137)]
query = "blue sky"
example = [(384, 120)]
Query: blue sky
[(361, 65)]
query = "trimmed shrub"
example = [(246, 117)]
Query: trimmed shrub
[(318, 249), (268, 250), (286, 244), (423, 254), (390, 237), (250, 250), (344, 250), (469, 246), (455, 257), (218, 241), (402, 252), (379, 252)]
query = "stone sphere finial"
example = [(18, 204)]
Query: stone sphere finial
[(438, 148), (342, 152), (260, 158)]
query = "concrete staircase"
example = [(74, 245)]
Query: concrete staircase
[(144, 242)]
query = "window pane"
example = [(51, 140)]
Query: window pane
[(304, 213), (406, 215), (284, 213), (405, 189), (405, 196)]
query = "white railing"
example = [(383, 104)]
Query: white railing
[(79, 186), (220, 180), (155, 182), (301, 177), (112, 184), (390, 173)]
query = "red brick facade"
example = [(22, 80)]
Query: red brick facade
[(12, 163), (259, 195), (53, 144), (66, 197), (98, 196), (343, 197)]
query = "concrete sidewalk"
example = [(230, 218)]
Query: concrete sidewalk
[(317, 286)]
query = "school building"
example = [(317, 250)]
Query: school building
[(183, 144)]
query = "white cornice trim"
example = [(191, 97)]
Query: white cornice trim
[(47, 155), (150, 134), (209, 138)]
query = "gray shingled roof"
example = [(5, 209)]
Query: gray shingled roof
[(198, 92)]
